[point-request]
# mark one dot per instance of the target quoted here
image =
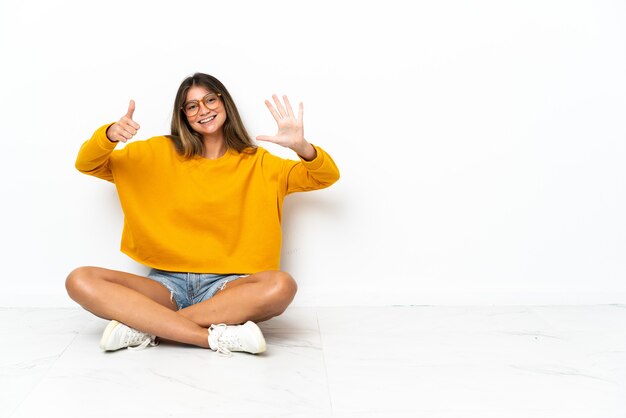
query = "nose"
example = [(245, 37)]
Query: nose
[(202, 108)]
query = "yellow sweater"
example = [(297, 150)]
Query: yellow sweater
[(201, 215)]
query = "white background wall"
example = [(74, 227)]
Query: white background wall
[(481, 143)]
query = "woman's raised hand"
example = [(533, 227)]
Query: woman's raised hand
[(290, 129), (125, 128)]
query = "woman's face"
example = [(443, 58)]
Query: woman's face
[(208, 120)]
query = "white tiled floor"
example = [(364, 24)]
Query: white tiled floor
[(425, 362)]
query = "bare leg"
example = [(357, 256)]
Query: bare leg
[(146, 305), (256, 298), (136, 301)]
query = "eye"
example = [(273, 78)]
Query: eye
[(189, 107)]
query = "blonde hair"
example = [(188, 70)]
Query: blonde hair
[(188, 142)]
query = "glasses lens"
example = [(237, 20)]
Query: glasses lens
[(210, 100), (191, 108)]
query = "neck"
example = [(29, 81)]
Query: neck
[(214, 146)]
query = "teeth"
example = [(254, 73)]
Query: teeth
[(207, 119)]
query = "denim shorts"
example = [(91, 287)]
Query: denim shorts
[(190, 288)]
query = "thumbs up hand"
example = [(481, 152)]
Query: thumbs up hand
[(125, 128)]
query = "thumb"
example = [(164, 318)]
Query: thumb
[(131, 109)]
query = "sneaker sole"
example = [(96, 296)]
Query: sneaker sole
[(259, 337), (107, 333)]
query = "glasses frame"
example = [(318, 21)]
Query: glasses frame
[(203, 101)]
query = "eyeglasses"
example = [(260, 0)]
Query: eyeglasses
[(211, 101)]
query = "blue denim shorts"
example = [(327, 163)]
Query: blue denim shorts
[(190, 288)]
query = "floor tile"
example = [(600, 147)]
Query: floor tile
[(426, 361), (176, 380), (33, 339), (460, 362)]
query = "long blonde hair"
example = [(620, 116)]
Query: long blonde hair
[(188, 142)]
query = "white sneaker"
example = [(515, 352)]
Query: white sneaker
[(117, 335), (227, 338)]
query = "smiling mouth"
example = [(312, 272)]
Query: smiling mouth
[(207, 120)]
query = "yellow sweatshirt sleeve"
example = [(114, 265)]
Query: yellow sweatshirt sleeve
[(311, 175), (93, 156)]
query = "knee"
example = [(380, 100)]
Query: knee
[(283, 288), (79, 282)]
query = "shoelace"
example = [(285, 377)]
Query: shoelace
[(225, 341), (146, 340)]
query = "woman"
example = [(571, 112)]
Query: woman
[(202, 208)]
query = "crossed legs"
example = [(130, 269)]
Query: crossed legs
[(146, 305)]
